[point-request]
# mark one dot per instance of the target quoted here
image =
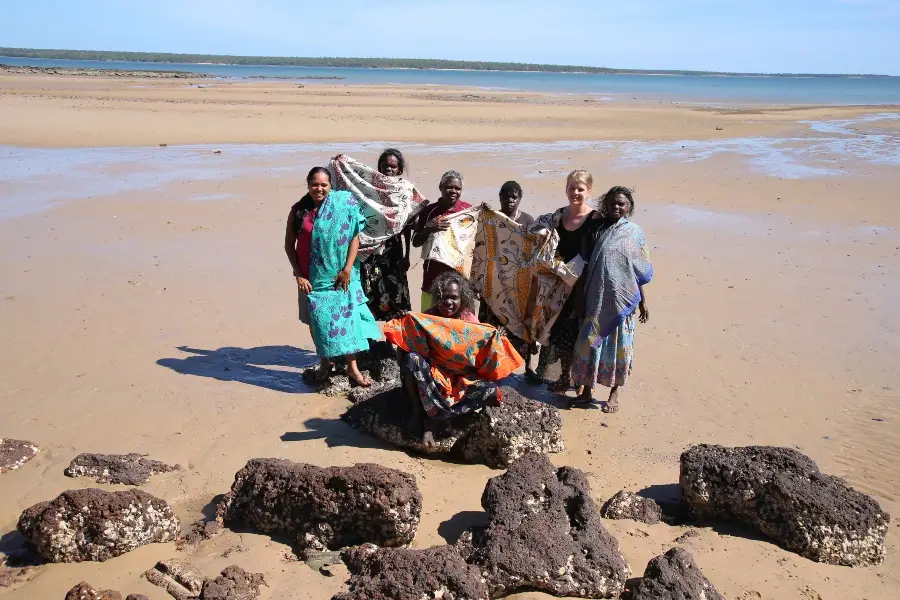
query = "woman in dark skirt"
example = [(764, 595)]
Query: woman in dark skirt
[(384, 275)]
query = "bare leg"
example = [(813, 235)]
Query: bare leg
[(612, 404), (354, 373), (414, 427)]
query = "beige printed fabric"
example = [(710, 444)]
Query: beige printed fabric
[(454, 246), (387, 203), (517, 272)]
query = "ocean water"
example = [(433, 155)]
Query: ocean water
[(705, 89)]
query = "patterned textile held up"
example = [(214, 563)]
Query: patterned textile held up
[(453, 247), (619, 265), (518, 274), (386, 203), (460, 353), (341, 322)]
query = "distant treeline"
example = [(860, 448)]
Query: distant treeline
[(372, 63)]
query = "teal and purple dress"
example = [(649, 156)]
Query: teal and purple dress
[(341, 321)]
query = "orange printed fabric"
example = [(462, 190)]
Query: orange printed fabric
[(459, 352)]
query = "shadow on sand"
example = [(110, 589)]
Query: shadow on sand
[(252, 366)]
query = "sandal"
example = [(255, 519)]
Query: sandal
[(579, 403), (610, 408), (364, 383)]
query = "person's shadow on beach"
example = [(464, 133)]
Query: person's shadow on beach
[(252, 366)]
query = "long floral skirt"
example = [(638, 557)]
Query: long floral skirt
[(385, 284), (609, 363)]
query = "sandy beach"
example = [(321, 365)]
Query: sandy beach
[(147, 305)]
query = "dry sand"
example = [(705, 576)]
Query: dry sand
[(155, 313)]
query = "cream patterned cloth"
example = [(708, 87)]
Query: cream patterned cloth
[(453, 247)]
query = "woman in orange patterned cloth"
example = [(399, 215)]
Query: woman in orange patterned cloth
[(449, 362)]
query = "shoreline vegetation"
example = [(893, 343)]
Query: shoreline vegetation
[(374, 63)]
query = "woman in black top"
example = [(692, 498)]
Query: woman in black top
[(577, 227)]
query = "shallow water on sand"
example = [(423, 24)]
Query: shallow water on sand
[(37, 179)]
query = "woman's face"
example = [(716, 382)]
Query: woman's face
[(578, 192), (451, 191), (450, 301), (319, 186), (390, 166), (617, 207)]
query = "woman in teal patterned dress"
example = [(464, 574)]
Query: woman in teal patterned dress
[(326, 226)]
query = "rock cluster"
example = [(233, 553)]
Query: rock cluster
[(85, 591), (494, 436), (324, 508), (128, 469), (96, 525), (628, 505), (674, 576), (15, 453), (544, 532), (399, 573), (69, 72), (183, 581), (781, 493)]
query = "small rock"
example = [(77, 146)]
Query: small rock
[(12, 576), (233, 583), (96, 525), (781, 493), (85, 591), (217, 152), (686, 536), (136, 597), (199, 531), (628, 505), (494, 435), (544, 533), (674, 576), (180, 579), (127, 469), (404, 574), (324, 508), (15, 453)]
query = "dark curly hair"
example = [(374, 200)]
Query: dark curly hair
[(612, 193), (511, 188), (466, 292), (401, 162)]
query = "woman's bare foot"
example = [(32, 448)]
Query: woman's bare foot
[(428, 439), (356, 377), (585, 397), (612, 404)]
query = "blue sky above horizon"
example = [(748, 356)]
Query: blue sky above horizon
[(821, 36)]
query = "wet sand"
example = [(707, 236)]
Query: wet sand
[(148, 307)]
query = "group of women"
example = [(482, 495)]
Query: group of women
[(340, 297)]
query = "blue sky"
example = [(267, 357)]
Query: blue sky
[(847, 36)]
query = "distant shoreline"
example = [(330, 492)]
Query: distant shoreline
[(381, 63)]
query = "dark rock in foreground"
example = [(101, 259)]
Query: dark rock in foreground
[(182, 580), (15, 453), (628, 505), (96, 525), (544, 532), (128, 469), (674, 576), (324, 508), (782, 494), (85, 591), (403, 574), (233, 583), (494, 436)]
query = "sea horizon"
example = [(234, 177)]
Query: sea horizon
[(713, 88)]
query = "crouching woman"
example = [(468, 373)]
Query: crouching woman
[(449, 362)]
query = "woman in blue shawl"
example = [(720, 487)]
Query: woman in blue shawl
[(322, 241), (614, 290)]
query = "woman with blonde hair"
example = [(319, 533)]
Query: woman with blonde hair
[(575, 224)]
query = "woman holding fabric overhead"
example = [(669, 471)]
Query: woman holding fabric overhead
[(614, 291), (321, 243)]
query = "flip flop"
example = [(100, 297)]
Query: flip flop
[(367, 382), (578, 403), (610, 409)]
